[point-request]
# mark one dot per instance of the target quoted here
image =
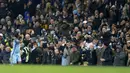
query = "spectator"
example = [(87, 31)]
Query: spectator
[(1, 50), (57, 57), (85, 24), (99, 51), (35, 55), (6, 55), (3, 10), (91, 55), (107, 55), (48, 55), (75, 56), (127, 50), (66, 55), (30, 7), (119, 59)]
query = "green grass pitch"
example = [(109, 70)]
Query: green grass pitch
[(61, 69)]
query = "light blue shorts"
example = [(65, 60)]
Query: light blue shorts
[(15, 58)]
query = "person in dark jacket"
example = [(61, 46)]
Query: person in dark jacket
[(35, 54), (91, 55), (107, 55), (30, 7), (74, 56), (97, 21), (57, 57), (3, 10), (119, 59), (99, 52), (47, 56), (37, 28), (0, 56), (6, 55)]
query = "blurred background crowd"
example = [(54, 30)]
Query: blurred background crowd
[(67, 32)]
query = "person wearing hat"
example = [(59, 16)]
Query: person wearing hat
[(107, 55), (1, 35), (120, 56), (75, 12)]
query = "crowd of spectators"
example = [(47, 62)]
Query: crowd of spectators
[(67, 32)]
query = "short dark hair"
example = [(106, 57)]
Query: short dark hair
[(16, 35)]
